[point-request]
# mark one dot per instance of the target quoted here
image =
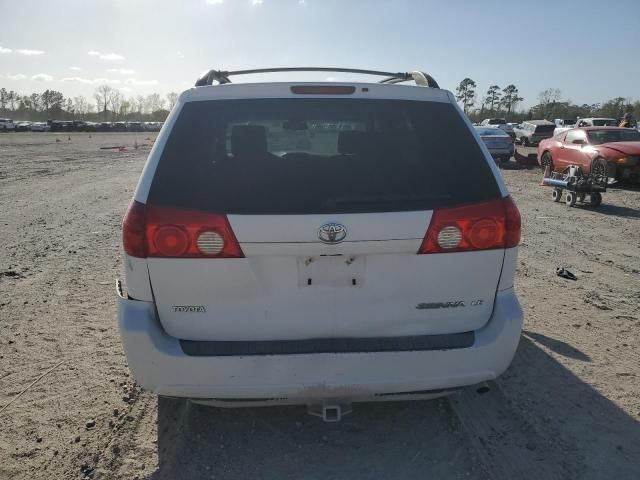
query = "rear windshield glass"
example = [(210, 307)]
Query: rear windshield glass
[(605, 122), (293, 156), (598, 137), (545, 128), (492, 132)]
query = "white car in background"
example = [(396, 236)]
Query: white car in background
[(588, 122), (7, 125), (320, 244)]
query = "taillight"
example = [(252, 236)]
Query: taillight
[(483, 226), (133, 228), (152, 231), (514, 223)]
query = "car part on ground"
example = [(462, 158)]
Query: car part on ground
[(576, 184), (564, 273)]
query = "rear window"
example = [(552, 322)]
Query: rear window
[(545, 128), (605, 122), (598, 137), (492, 132), (294, 156)]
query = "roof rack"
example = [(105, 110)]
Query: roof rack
[(222, 76)]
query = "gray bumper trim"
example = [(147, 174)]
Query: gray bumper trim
[(329, 345)]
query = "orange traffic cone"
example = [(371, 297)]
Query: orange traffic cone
[(547, 171)]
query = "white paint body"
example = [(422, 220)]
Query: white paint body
[(292, 286)]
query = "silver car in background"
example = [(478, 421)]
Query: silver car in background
[(40, 127), (498, 142)]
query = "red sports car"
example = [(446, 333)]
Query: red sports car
[(615, 149)]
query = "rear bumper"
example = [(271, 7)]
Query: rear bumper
[(159, 364), (537, 140), (502, 152)]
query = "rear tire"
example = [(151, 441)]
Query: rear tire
[(595, 199), (556, 194), (570, 199)]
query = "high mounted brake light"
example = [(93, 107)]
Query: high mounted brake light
[(484, 226), (152, 231), (323, 90)]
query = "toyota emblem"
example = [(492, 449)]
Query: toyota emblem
[(332, 233)]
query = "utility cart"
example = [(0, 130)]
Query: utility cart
[(577, 185)]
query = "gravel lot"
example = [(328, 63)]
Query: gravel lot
[(568, 408)]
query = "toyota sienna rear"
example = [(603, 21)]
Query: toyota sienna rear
[(319, 244)]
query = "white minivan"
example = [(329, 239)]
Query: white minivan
[(318, 243)]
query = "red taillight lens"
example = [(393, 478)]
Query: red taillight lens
[(323, 89), (133, 230), (514, 223), (152, 231), (177, 233), (483, 226), (170, 240)]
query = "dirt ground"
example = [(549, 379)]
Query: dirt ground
[(567, 408)]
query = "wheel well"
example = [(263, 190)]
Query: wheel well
[(599, 159), (542, 155)]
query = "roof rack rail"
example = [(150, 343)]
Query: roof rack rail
[(222, 76)]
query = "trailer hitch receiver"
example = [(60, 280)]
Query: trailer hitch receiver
[(330, 412)]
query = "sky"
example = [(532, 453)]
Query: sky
[(589, 49)]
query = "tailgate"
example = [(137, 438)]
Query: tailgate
[(292, 286), (328, 200)]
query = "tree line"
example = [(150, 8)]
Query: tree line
[(497, 102), (108, 104)]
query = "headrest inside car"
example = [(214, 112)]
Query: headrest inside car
[(351, 142), (248, 140)]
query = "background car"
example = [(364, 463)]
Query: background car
[(597, 122), (22, 126), (532, 132), (610, 151), (564, 122), (498, 142), (40, 127), (7, 125), (500, 123)]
